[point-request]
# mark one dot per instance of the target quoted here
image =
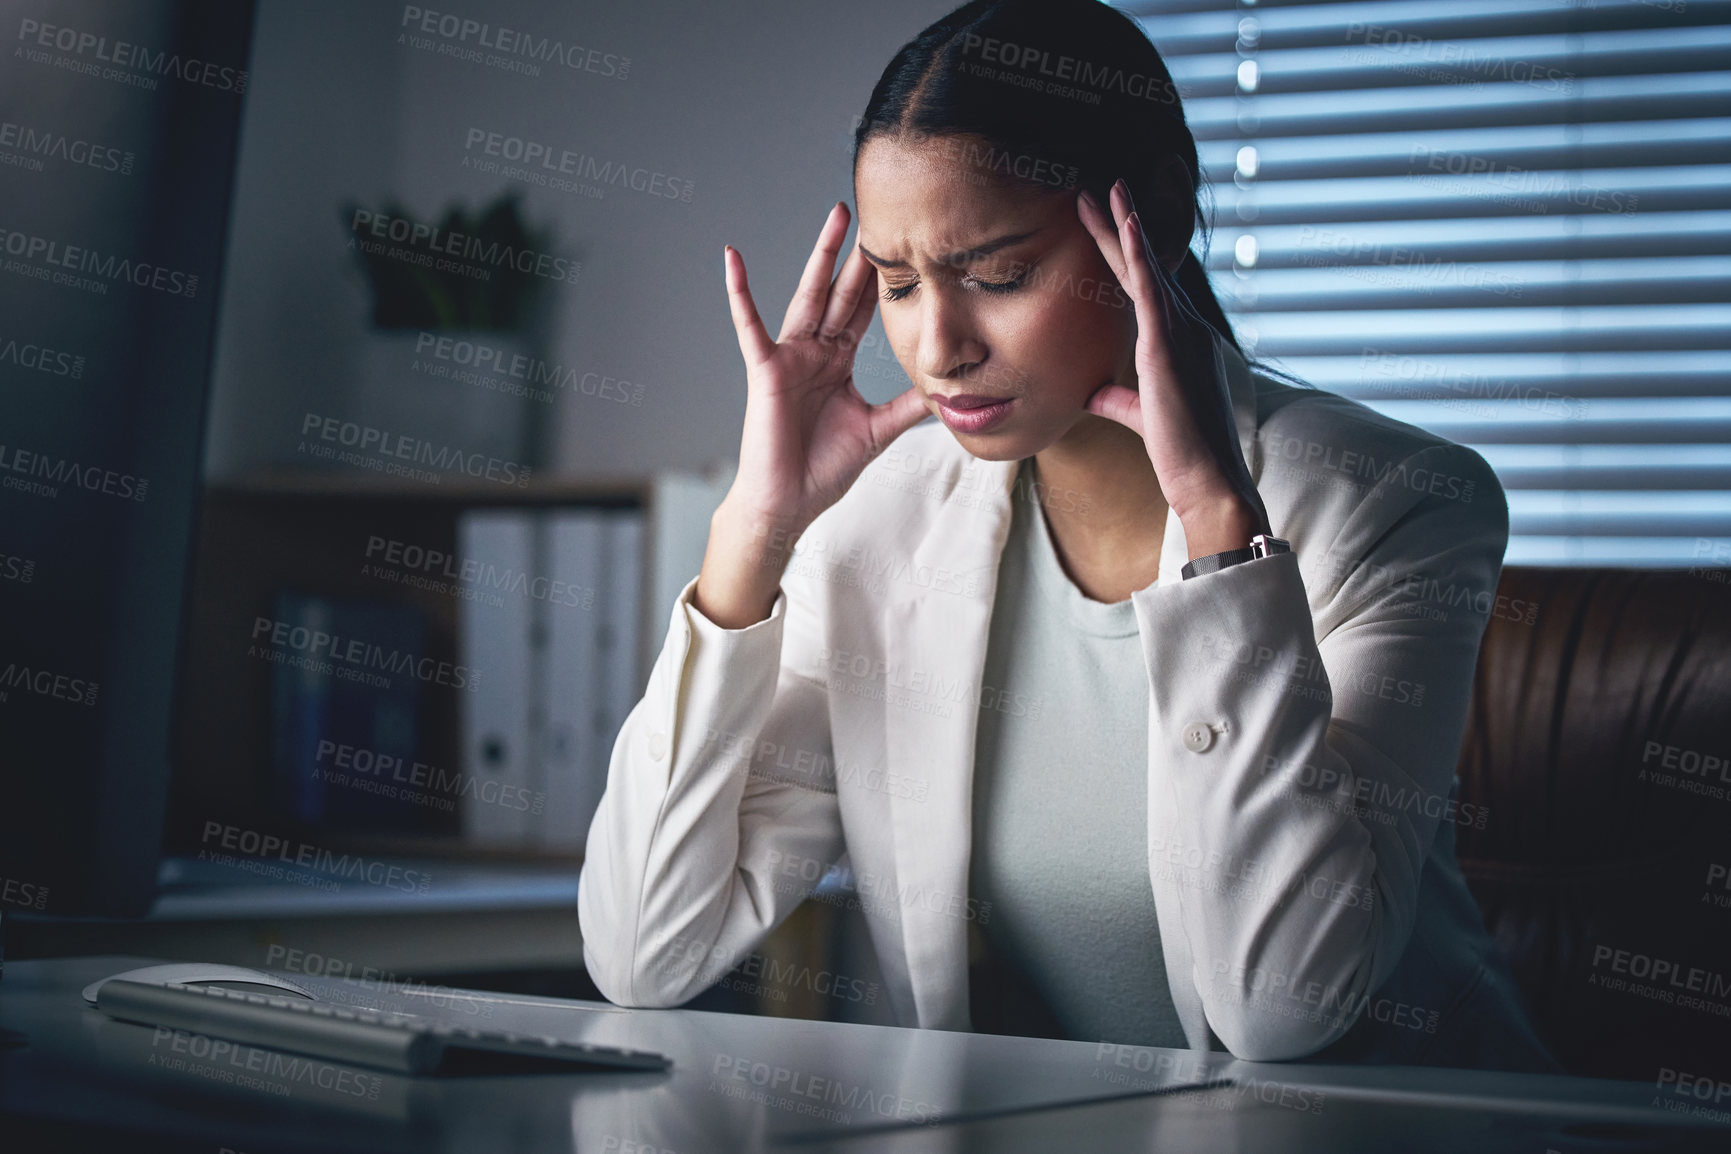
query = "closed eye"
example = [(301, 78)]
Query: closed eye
[(899, 292), (996, 286)]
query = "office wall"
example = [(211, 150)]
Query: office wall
[(744, 108)]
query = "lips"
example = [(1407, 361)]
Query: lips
[(973, 412), (962, 402)]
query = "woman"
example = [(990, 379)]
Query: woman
[(1171, 741)]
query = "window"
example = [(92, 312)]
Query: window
[(1507, 221)]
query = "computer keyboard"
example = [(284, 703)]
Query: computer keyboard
[(401, 1043)]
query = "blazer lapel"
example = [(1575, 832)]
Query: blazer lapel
[(935, 644)]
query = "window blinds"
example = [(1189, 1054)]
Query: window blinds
[(1507, 221)]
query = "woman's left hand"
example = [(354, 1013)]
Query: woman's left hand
[(1180, 405)]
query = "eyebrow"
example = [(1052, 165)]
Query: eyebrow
[(954, 258)]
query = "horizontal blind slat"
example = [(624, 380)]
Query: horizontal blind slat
[(1621, 145), (1610, 98), (1582, 237)]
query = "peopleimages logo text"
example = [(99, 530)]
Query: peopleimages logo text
[(1088, 74), (414, 234), (26, 678), (353, 651), (402, 447), (253, 844), (577, 164), (123, 54), (56, 470), (476, 571), (40, 358), (54, 254), (38, 143), (20, 893), (463, 30)]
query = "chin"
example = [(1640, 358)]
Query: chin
[(1027, 438), (997, 446), (989, 453)]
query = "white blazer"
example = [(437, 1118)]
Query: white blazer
[(1289, 827)]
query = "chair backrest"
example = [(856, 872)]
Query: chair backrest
[(1599, 738)]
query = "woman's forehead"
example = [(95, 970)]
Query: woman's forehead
[(916, 199), (963, 158)]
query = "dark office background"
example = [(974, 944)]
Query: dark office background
[(1504, 220)]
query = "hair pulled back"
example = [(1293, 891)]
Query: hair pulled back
[(1067, 94)]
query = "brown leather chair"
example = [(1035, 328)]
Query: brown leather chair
[(1599, 738)]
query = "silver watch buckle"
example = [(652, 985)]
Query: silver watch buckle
[(1262, 545)]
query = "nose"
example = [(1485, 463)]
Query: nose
[(950, 343)]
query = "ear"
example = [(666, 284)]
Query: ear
[(1168, 210)]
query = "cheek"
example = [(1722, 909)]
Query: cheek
[(1093, 302), (902, 333), (1081, 328)]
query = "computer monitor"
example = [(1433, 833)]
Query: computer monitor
[(121, 129)]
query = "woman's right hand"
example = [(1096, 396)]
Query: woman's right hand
[(808, 432)]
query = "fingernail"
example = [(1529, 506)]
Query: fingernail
[(1088, 198)]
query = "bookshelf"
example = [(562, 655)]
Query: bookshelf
[(313, 590)]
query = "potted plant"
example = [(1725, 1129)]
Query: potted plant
[(453, 355)]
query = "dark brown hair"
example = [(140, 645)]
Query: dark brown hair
[(1067, 93)]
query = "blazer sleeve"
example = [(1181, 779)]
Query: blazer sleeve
[(692, 857), (1303, 761)]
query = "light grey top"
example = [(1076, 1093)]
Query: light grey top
[(1060, 820)]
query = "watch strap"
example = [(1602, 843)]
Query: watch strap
[(1214, 562), (1260, 545)]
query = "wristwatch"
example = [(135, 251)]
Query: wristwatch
[(1260, 545)]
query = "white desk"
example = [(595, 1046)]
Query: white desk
[(744, 1083)]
